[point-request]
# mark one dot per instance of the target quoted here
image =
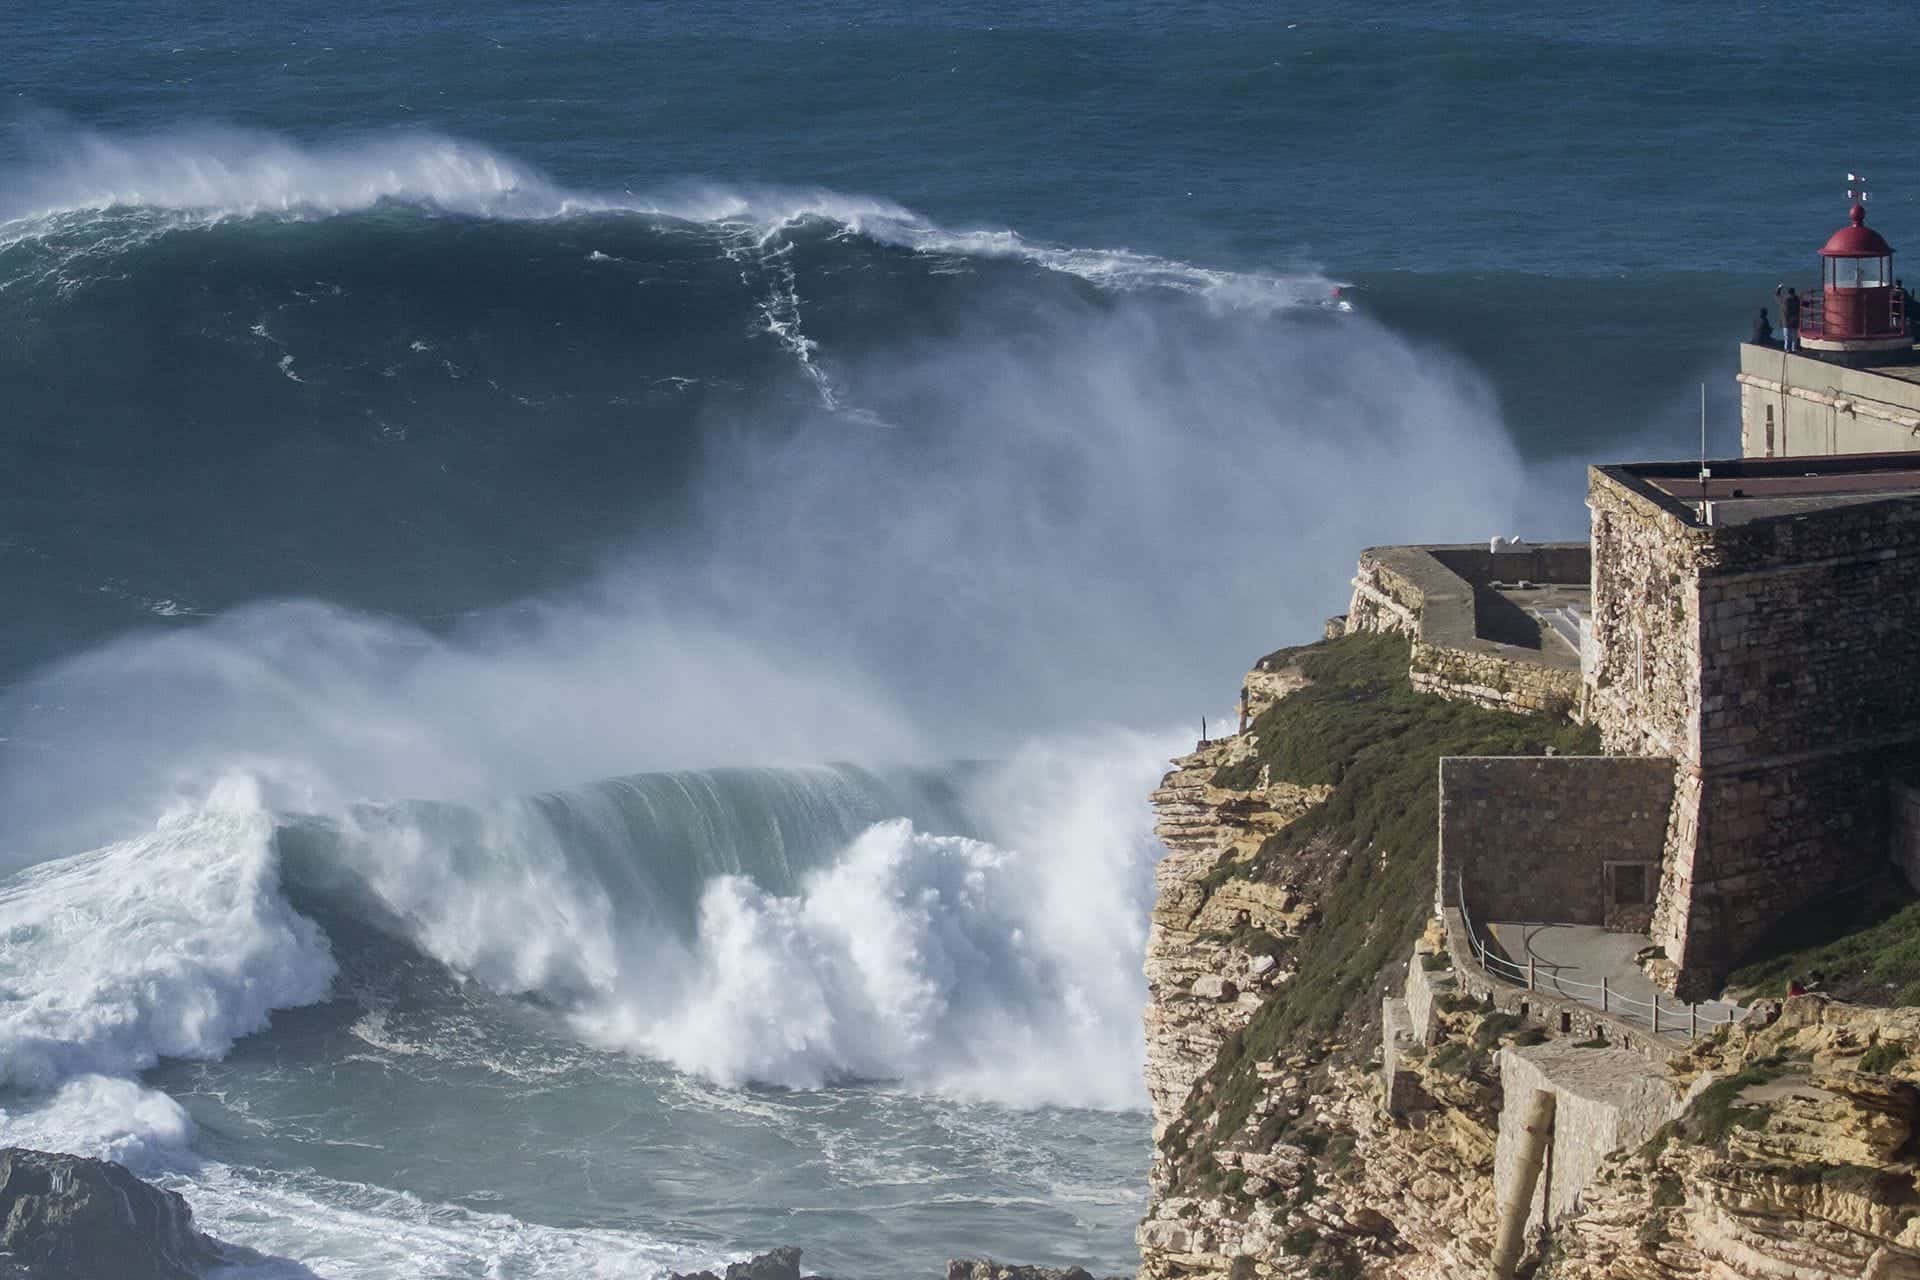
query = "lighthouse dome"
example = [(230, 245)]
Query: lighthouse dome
[(1857, 240)]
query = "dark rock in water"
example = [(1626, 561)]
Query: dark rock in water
[(988, 1269), (70, 1218), (784, 1264), (779, 1264)]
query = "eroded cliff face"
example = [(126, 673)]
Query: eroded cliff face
[(1311, 1180), (1797, 1157), (1275, 1156), (1211, 959)]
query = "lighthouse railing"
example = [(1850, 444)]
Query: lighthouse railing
[(1813, 317)]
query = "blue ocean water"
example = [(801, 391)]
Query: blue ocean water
[(470, 470)]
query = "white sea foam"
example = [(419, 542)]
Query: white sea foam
[(200, 174), (173, 943), (226, 172), (1007, 972), (356, 1231), (105, 1117)]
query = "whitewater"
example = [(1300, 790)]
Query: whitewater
[(470, 924)]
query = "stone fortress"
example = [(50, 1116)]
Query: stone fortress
[(1738, 627), (1739, 632), (1556, 1091)]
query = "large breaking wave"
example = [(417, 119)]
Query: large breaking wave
[(792, 927), (683, 492)]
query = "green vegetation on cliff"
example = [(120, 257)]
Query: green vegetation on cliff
[(1863, 942), (1362, 729)]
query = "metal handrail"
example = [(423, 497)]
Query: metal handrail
[(1691, 1015), (1813, 316)]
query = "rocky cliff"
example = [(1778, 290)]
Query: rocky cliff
[(1297, 882)]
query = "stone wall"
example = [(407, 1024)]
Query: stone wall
[(1775, 661), (1604, 1099), (1643, 670), (1533, 837), (1492, 680), (1424, 986), (1390, 591), (1428, 594)]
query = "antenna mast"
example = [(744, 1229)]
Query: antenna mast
[(1704, 473)]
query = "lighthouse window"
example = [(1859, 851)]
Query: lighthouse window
[(1859, 273)]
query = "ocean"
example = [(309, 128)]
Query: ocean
[(593, 593)]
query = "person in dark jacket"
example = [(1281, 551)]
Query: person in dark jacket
[(1762, 335), (1790, 321)]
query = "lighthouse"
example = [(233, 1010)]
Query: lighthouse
[(1851, 384), (1858, 316)]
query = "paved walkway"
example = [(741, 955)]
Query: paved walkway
[(1571, 959)]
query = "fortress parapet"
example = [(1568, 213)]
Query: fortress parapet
[(1501, 628)]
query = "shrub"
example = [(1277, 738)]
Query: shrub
[(1883, 1057), (1493, 1027), (1717, 1111), (1864, 940)]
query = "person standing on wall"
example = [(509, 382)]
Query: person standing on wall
[(1790, 321)]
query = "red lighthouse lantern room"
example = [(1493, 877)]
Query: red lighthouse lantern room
[(1857, 309)]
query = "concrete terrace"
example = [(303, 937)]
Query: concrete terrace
[(1515, 604), (1580, 962)]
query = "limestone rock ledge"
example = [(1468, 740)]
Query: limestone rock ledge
[(1811, 1172), (1210, 958), (1403, 1199)]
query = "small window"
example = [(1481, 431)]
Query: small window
[(1630, 884), (1769, 431)]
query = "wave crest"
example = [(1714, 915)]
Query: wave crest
[(204, 174), (224, 172)]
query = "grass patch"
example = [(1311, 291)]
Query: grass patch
[(1493, 1027), (1360, 728), (1247, 937), (1434, 962), (1864, 941), (1883, 1057), (1717, 1111)]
